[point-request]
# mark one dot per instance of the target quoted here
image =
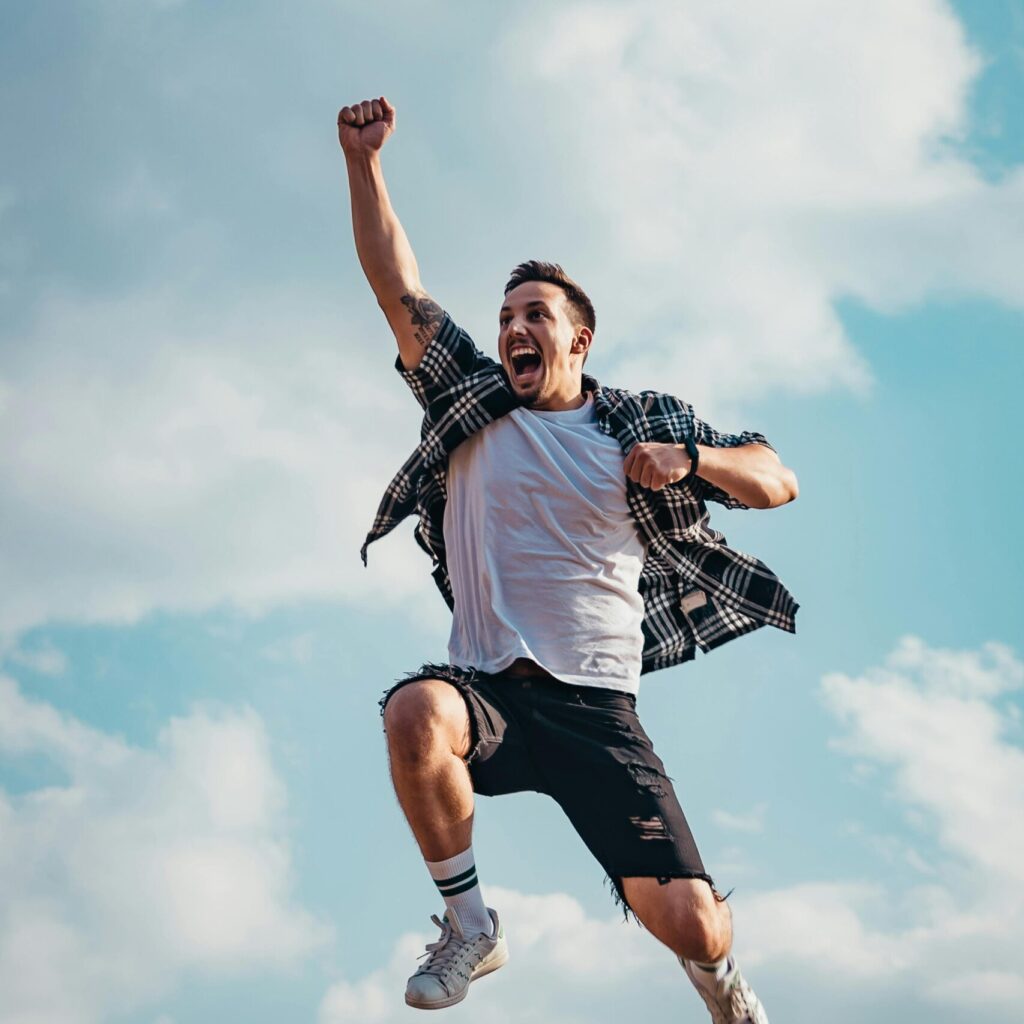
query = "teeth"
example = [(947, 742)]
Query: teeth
[(521, 350)]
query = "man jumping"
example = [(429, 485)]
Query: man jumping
[(569, 535)]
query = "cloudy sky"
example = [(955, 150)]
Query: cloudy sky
[(805, 218)]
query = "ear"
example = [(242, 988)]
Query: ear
[(581, 343)]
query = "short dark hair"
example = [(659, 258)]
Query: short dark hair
[(581, 309)]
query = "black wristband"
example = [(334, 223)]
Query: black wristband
[(691, 448)]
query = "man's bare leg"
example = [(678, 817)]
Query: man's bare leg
[(686, 916), (428, 732), (429, 735)]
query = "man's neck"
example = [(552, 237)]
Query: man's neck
[(561, 404)]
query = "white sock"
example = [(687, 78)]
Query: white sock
[(708, 975), (456, 880)]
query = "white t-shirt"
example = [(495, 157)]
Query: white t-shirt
[(543, 554)]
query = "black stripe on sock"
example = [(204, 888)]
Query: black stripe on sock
[(444, 883), (451, 889), (465, 887)]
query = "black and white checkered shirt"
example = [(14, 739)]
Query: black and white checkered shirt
[(697, 592)]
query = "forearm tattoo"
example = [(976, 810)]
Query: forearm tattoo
[(426, 316)]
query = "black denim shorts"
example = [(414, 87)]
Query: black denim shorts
[(585, 747)]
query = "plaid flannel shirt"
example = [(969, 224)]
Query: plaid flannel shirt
[(697, 591)]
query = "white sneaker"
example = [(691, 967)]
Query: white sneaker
[(731, 1000), (454, 962)]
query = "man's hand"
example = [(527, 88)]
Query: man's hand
[(751, 473), (364, 127), (654, 465)]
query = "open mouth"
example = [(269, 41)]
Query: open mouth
[(526, 366)]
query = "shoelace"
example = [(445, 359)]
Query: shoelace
[(732, 998), (742, 999), (443, 951)]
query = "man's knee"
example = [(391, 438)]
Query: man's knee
[(684, 914), (425, 714), (708, 930)]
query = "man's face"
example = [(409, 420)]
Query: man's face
[(536, 341)]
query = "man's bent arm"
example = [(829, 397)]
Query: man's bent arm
[(383, 248), (751, 472)]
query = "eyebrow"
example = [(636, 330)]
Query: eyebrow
[(532, 302)]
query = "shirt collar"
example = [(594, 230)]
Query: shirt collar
[(605, 401)]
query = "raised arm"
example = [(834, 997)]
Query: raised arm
[(384, 251)]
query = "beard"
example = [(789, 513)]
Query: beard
[(531, 397), (532, 393)]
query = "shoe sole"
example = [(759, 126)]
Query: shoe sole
[(482, 972)]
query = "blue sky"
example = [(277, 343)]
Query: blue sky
[(805, 220)]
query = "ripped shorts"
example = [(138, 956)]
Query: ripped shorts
[(585, 747)]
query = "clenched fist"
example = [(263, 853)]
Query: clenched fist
[(654, 465), (364, 127)]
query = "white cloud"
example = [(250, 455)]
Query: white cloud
[(579, 968), (44, 658), (296, 649), (893, 849), (975, 989), (936, 722), (929, 715), (139, 864), (752, 821), (775, 926), (175, 460), (752, 167)]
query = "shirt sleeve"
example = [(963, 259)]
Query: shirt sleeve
[(705, 434), (450, 356)]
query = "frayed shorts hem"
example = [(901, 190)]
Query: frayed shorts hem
[(614, 882), (459, 678)]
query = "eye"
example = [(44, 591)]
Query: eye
[(505, 319)]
